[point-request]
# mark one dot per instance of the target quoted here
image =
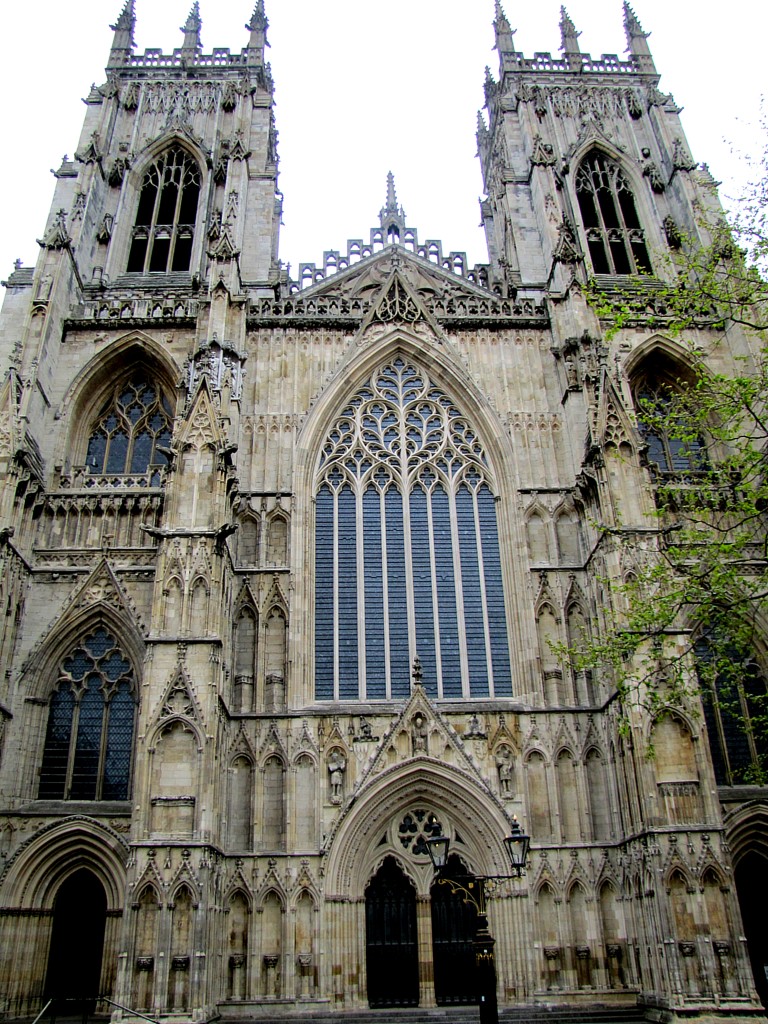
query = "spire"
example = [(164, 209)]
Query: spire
[(568, 35), (258, 26), (191, 30), (504, 32), (637, 40), (123, 43), (391, 215)]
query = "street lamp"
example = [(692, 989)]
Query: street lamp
[(472, 889)]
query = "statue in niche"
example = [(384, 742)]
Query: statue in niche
[(419, 735), (505, 769), (337, 765)]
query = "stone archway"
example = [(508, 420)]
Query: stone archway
[(76, 952)]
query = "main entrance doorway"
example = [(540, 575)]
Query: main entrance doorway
[(454, 923), (391, 940), (77, 944)]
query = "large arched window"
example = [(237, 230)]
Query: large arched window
[(165, 219), (89, 742), (614, 235), (131, 426), (674, 447), (407, 557), (735, 696)]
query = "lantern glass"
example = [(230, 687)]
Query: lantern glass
[(517, 847), (438, 850)]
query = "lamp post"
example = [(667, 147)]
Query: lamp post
[(472, 890)]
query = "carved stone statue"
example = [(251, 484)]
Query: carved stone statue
[(419, 735), (505, 769), (337, 765)]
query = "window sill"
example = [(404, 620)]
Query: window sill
[(68, 808)]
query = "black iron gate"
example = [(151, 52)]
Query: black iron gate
[(77, 945), (453, 931), (392, 954)]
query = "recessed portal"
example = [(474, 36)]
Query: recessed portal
[(77, 944), (391, 944)]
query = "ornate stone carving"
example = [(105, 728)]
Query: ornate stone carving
[(337, 766)]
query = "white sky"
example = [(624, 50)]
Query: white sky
[(362, 87)]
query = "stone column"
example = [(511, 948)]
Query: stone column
[(424, 942)]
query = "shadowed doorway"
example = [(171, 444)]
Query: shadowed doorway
[(392, 954), (77, 944), (753, 899), (454, 924)]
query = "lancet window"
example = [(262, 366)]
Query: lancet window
[(615, 236), (407, 558), (89, 741), (165, 219), (131, 426), (673, 447)]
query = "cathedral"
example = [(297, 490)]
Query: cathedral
[(288, 565)]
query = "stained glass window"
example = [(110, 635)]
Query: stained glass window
[(407, 557), (132, 424), (165, 219), (615, 237), (89, 742), (672, 445)]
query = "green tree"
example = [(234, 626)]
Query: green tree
[(693, 615)]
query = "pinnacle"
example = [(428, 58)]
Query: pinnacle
[(631, 22), (127, 17), (568, 34), (391, 194)]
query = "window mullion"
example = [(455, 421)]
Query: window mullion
[(483, 594), (385, 592), (361, 610), (102, 749), (336, 665), (459, 585), (72, 745), (435, 601)]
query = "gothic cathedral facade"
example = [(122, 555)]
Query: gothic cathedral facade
[(283, 563)]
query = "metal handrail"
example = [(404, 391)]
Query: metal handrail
[(37, 1018)]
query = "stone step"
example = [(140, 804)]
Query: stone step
[(462, 1015)]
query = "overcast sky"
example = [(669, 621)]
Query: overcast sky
[(362, 87)]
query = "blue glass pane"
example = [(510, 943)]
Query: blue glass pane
[(324, 595), (97, 450), (117, 758), (118, 452), (398, 603), (422, 590), (450, 652), (88, 746), (349, 685), (375, 654), (473, 604), (142, 452), (53, 774), (78, 665), (99, 643), (715, 745), (494, 593), (115, 666)]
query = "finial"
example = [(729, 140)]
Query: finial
[(568, 35), (258, 22), (127, 18), (191, 29), (391, 213), (501, 21), (632, 25), (417, 672)]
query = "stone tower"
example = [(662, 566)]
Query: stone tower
[(284, 562)]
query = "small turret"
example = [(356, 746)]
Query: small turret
[(505, 42), (637, 40), (569, 39), (257, 26), (192, 44), (123, 42), (392, 216)]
